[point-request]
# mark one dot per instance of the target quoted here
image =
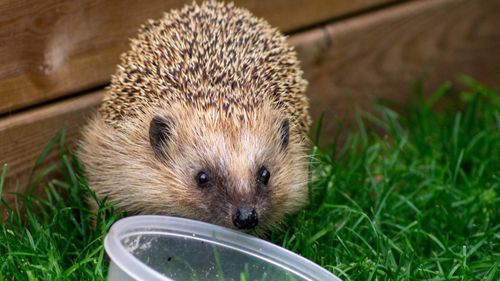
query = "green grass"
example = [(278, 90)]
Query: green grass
[(418, 200)]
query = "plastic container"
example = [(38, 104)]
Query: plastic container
[(168, 248)]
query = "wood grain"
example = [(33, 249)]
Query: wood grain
[(24, 136), (52, 48), (353, 63), (349, 64)]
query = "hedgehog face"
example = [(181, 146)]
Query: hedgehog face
[(238, 173)]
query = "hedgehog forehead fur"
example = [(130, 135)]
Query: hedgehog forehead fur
[(213, 55)]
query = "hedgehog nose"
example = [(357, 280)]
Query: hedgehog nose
[(245, 218)]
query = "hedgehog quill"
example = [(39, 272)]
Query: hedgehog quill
[(205, 118)]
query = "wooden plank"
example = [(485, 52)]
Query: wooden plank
[(52, 48), (349, 64), (23, 136), (352, 63)]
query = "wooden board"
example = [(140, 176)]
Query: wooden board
[(353, 63), (349, 64), (54, 48), (24, 136)]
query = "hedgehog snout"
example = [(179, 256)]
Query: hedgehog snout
[(245, 218)]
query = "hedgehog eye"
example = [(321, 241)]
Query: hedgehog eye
[(284, 134), (264, 175), (202, 178), (159, 134)]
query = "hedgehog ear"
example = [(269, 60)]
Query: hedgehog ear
[(160, 132), (284, 134)]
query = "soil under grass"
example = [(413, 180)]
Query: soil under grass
[(419, 201)]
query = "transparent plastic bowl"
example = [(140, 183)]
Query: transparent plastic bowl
[(168, 248)]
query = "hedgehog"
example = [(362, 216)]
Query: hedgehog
[(205, 118)]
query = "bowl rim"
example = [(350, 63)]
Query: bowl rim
[(197, 230)]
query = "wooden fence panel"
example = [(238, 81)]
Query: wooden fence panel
[(23, 136), (54, 48), (381, 55)]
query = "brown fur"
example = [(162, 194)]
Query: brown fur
[(227, 80)]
